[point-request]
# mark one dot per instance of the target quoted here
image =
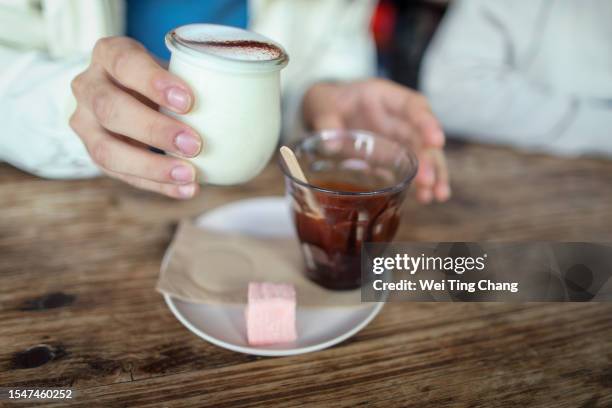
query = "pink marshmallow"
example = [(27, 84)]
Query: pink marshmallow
[(270, 314)]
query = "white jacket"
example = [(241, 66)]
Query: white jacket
[(45, 43), (535, 74)]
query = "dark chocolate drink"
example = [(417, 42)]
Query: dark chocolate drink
[(357, 182), (332, 244)]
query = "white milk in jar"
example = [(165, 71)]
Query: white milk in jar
[(235, 77)]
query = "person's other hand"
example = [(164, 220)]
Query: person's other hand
[(117, 118), (389, 109)]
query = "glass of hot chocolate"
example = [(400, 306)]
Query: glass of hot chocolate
[(356, 184), (235, 77)]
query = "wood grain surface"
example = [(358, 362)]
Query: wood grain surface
[(79, 260)]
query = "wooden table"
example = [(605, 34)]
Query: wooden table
[(79, 260)]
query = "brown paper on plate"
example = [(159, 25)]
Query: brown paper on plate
[(204, 266)]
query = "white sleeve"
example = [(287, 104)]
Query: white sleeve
[(327, 40), (35, 105), (474, 88), (346, 54)]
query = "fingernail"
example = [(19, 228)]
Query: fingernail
[(182, 173), (188, 144), (425, 196), (187, 191), (178, 99), (444, 193)]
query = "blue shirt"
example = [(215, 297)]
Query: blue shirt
[(148, 21)]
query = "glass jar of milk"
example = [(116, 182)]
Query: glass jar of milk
[(235, 77)]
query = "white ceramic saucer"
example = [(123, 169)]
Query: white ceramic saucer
[(224, 325)]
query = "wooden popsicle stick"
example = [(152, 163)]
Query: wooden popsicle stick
[(296, 171), (292, 164)]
